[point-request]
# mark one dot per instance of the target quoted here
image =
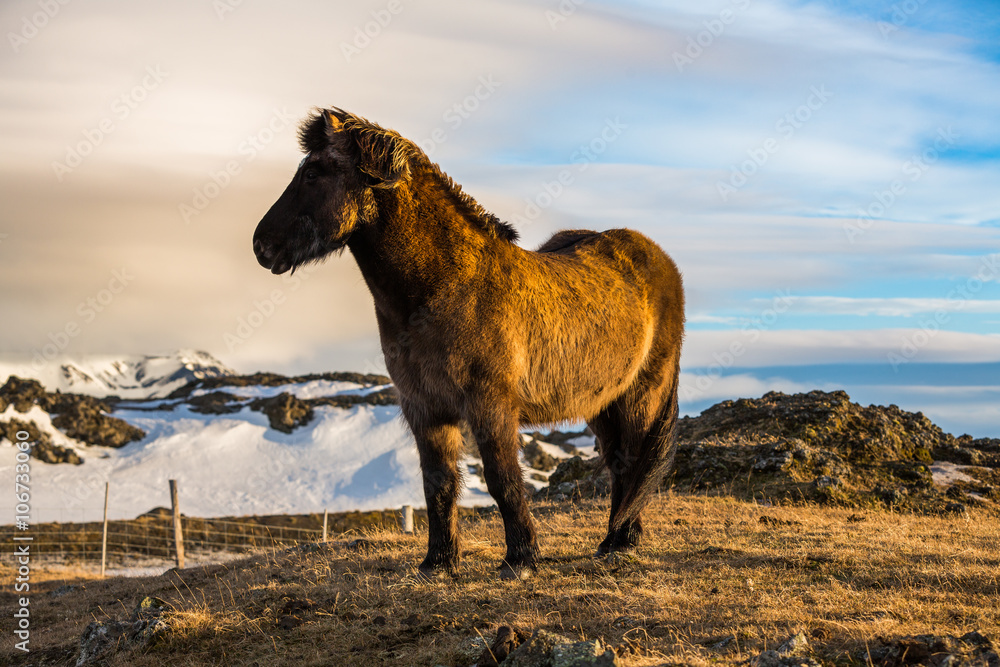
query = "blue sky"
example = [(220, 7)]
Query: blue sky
[(824, 173)]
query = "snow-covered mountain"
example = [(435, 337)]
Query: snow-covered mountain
[(133, 377)]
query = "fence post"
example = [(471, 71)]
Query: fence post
[(104, 537), (325, 515), (178, 534), (408, 519)]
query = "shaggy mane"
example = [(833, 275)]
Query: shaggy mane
[(313, 136)]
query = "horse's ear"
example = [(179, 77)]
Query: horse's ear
[(383, 158), (331, 121)]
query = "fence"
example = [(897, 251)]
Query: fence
[(158, 538)]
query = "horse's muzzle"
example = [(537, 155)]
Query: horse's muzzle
[(267, 258)]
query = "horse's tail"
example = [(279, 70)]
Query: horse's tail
[(645, 464)]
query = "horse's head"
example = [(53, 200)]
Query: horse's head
[(332, 192)]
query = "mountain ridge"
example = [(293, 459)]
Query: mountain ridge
[(140, 376)]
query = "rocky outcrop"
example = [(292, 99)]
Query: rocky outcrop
[(82, 418), (42, 447), (537, 458), (276, 380), (216, 403), (814, 447), (21, 393), (86, 420), (284, 412)]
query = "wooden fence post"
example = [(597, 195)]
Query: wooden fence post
[(325, 515), (408, 519), (104, 537), (178, 534)]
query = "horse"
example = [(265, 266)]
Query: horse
[(478, 331)]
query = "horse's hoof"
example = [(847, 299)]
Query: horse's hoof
[(432, 574), (617, 558), (518, 573)]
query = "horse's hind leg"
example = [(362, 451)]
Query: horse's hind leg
[(637, 449), (439, 443), (608, 428)]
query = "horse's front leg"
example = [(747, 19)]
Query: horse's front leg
[(499, 444), (439, 442)]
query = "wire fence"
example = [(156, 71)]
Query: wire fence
[(150, 539), (153, 539)]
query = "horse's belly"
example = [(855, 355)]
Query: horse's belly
[(574, 381)]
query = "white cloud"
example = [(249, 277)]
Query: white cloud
[(889, 307), (756, 347)]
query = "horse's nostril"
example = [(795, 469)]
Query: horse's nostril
[(258, 247)]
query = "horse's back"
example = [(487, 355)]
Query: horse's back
[(634, 257)]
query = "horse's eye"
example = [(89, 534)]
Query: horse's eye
[(311, 174)]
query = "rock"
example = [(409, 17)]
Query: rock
[(956, 508), (216, 403), (49, 453), (470, 648), (724, 644), (276, 380), (84, 418), (537, 651), (888, 495), (789, 654), (101, 640), (62, 590), (972, 649), (285, 412), (507, 640), (21, 393), (477, 470), (588, 653), (577, 478), (774, 659), (387, 396), (827, 482), (573, 469), (42, 447), (537, 458), (796, 645)]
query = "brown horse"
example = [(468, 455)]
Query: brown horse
[(476, 329)]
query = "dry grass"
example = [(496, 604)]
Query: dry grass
[(709, 570)]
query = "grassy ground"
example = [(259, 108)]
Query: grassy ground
[(712, 568)]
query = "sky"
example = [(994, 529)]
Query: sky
[(824, 174)]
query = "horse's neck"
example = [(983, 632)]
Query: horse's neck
[(422, 242)]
